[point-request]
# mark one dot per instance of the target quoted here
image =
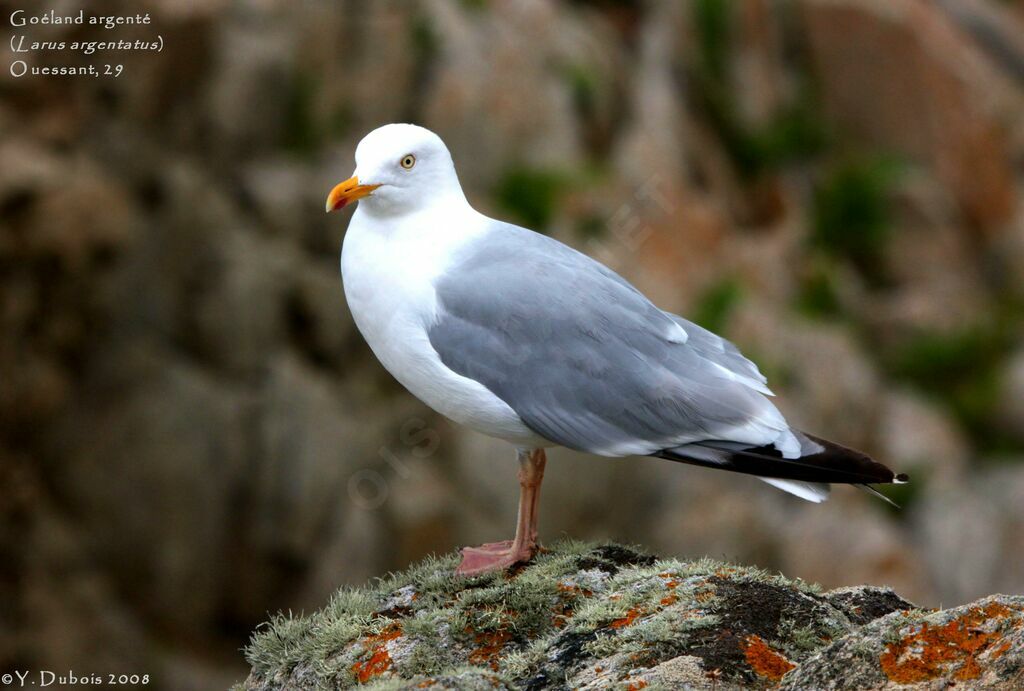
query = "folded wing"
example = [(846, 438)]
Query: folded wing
[(586, 360)]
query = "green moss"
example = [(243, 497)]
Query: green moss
[(574, 605), (465, 678), (531, 194), (794, 637)]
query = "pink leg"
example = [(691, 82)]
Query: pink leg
[(498, 556)]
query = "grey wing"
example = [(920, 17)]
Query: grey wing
[(585, 359), (718, 350)]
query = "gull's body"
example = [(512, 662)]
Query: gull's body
[(522, 338)]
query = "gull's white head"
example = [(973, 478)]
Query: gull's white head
[(399, 169)]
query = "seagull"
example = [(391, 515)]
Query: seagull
[(520, 337)]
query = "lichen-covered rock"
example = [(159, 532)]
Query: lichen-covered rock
[(980, 644), (589, 616)]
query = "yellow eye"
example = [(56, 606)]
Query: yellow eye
[(408, 161)]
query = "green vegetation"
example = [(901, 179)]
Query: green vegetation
[(341, 120), (423, 38), (961, 370), (305, 130), (583, 87), (713, 23), (794, 132), (592, 227), (717, 303), (531, 195), (301, 132), (905, 495), (851, 215), (576, 604), (818, 297)]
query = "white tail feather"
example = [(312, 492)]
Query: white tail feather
[(811, 491)]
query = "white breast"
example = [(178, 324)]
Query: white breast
[(388, 269)]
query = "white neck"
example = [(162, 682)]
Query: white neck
[(402, 255)]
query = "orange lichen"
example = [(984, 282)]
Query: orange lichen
[(669, 600), (636, 685), (1001, 650), (564, 609), (379, 660), (627, 620), (764, 660), (574, 590), (704, 595), (934, 651), (670, 580), (489, 646), (562, 613)]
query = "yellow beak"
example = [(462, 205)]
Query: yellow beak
[(347, 192)]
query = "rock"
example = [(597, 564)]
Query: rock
[(132, 464), (1010, 408), (652, 145), (854, 542), (1007, 260), (933, 288), (309, 441), (913, 433), (827, 382), (494, 93), (902, 76), (980, 645), (961, 554), (254, 68), (285, 195), (238, 312), (596, 616), (318, 319)]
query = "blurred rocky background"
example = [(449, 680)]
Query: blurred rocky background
[(193, 435)]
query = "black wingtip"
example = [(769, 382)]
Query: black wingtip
[(829, 462)]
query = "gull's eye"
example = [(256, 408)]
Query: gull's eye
[(408, 161)]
